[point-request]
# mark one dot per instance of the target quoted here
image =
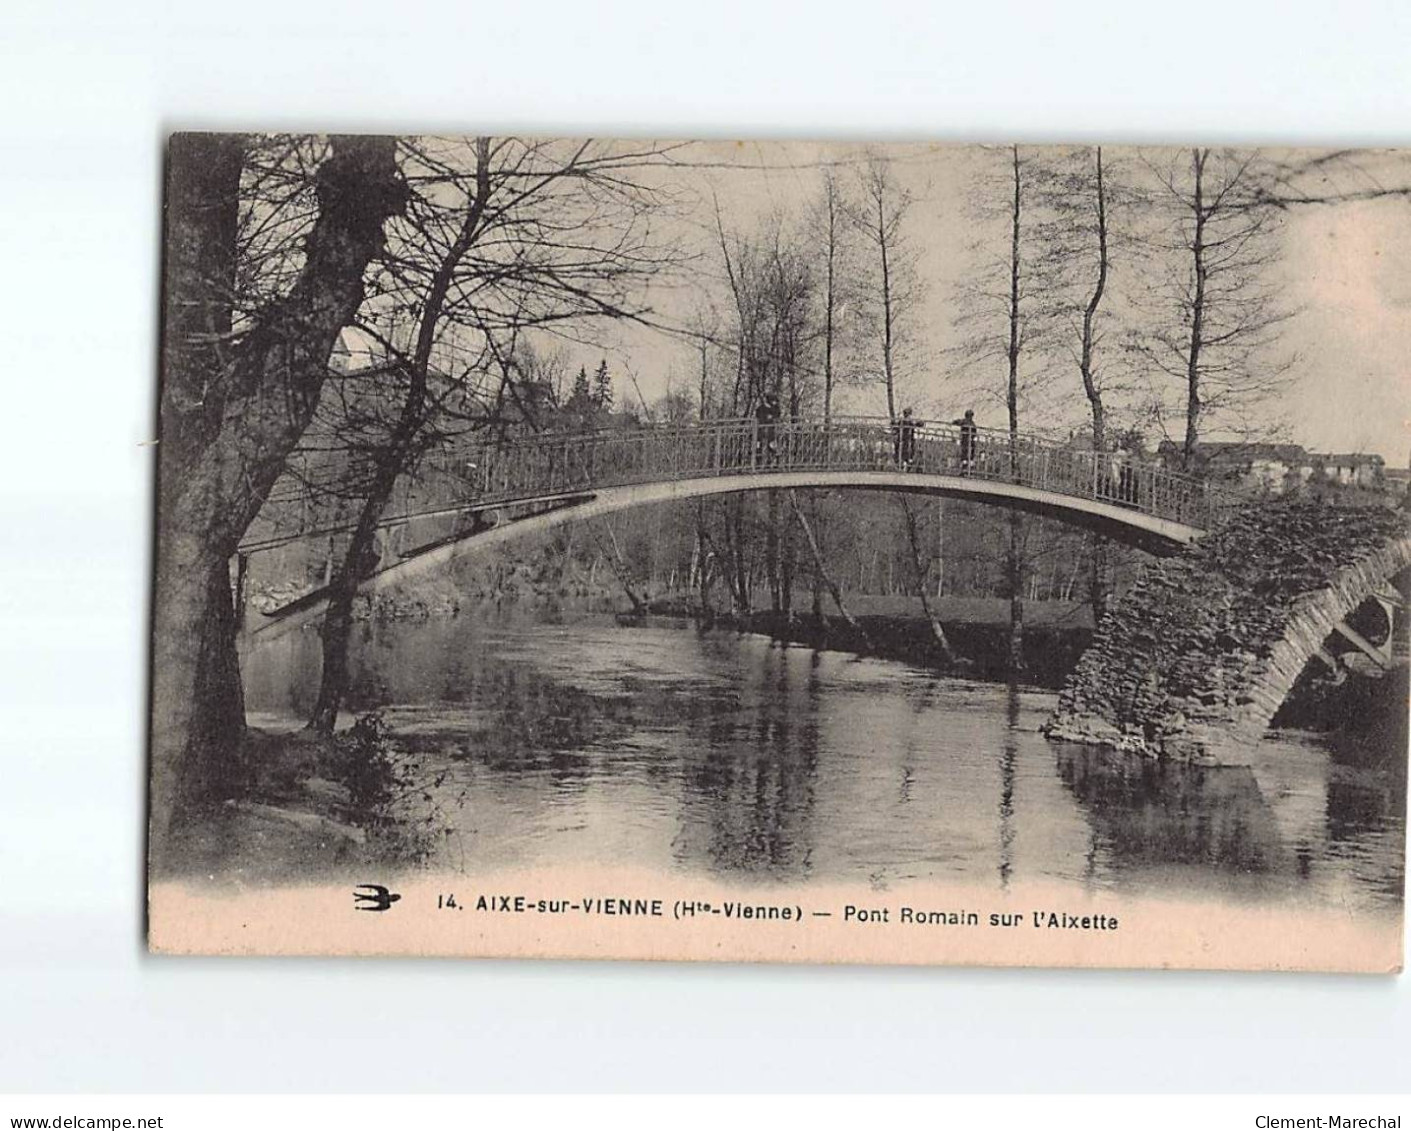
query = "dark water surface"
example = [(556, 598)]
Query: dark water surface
[(659, 747)]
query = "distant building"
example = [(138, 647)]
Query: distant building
[(1276, 468), (1270, 468), (1352, 469)]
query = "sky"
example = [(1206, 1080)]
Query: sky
[(1346, 269)]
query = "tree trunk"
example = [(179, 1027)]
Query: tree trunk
[(359, 563), (822, 571), (816, 601), (1098, 577), (622, 570), (1016, 520), (938, 632), (231, 412), (392, 460), (786, 572), (1197, 338), (1012, 391), (1087, 364), (706, 575), (706, 571), (886, 313), (771, 553), (742, 580), (828, 303)]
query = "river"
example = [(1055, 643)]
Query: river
[(576, 740)]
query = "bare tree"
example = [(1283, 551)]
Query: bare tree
[(1016, 520), (1004, 305), (1220, 301), (1004, 317), (1077, 236), (242, 368), (830, 222), (829, 230), (880, 216), (774, 334), (501, 236)]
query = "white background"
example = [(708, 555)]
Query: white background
[(87, 92)]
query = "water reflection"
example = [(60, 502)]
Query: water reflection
[(748, 790), (1008, 755), (1152, 813), (583, 741)]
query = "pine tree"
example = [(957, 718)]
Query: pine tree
[(581, 399), (602, 387)]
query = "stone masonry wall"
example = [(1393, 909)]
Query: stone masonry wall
[(1195, 659)]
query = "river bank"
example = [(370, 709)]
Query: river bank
[(977, 650), (977, 631), (302, 804)]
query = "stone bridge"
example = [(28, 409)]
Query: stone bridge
[(1195, 660)]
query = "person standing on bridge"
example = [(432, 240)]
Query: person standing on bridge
[(1124, 469), (969, 436), (904, 439), (767, 429)]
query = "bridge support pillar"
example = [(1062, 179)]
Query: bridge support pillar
[(1194, 661)]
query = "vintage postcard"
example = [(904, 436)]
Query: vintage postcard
[(782, 552)]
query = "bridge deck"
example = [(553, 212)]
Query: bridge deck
[(1034, 473)]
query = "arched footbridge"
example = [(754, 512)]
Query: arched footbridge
[(470, 497)]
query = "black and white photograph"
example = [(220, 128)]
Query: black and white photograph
[(747, 565), (985, 553)]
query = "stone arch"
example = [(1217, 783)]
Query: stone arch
[(1195, 660), (1311, 621)]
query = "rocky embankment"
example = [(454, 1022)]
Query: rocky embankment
[(1198, 655)]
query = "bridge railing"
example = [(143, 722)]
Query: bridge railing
[(555, 464)]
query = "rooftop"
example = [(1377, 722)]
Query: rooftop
[(1222, 450), (1350, 459)]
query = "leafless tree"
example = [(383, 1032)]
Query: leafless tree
[(880, 215), (1082, 226), (242, 369), (1004, 308), (1219, 304), (501, 236), (1005, 316)]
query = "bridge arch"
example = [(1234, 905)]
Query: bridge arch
[(529, 485), (1311, 621), (1151, 533)]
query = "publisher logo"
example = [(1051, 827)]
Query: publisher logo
[(374, 897)]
